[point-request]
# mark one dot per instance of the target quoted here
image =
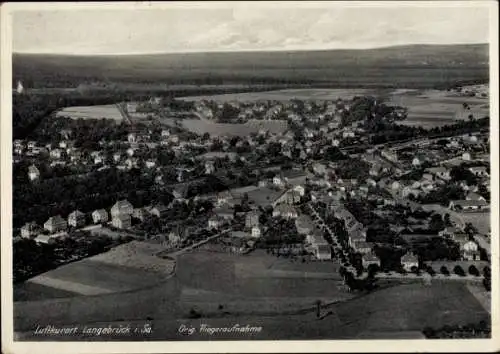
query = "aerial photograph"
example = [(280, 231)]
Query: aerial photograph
[(250, 172)]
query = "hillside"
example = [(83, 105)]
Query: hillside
[(417, 65)]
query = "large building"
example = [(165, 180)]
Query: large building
[(55, 224), (76, 219)]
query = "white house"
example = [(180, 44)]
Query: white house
[(368, 259), (76, 219), (256, 232), (285, 211), (278, 181), (100, 216), (470, 251), (33, 173), (408, 261), (300, 189), (479, 171)]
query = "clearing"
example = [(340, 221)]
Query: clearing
[(109, 111)]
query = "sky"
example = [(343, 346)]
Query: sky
[(240, 28)]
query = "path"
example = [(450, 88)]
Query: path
[(481, 295), (198, 244)]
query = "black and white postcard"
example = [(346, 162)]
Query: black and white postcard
[(249, 176)]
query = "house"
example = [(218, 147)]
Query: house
[(140, 214), (133, 138), (362, 246), (479, 171), (209, 167), (256, 232), (251, 219), (122, 221), (390, 155), (285, 211), (467, 156), (165, 133), (150, 163), (131, 151), (300, 189), (159, 210), (76, 219), (225, 212), (117, 156), (29, 229), (468, 205), (278, 181), (417, 161), (55, 224), (122, 207), (408, 261), (56, 153), (368, 259), (323, 252), (315, 238), (174, 238), (440, 172), (100, 216), (450, 232), (33, 173), (470, 251), (319, 169), (215, 222), (356, 236)]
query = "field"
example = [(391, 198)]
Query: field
[(395, 312), (91, 112), (219, 129), (426, 108), (284, 95), (126, 267), (481, 221), (435, 108)]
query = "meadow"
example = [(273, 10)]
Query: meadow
[(221, 129), (91, 112), (126, 267)]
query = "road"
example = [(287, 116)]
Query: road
[(123, 112), (323, 226), (197, 244)]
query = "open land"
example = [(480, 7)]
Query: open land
[(220, 129), (426, 108), (125, 267), (91, 112)]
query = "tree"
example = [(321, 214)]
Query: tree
[(447, 220), (444, 271), (318, 308), (436, 223), (473, 271), (459, 271)]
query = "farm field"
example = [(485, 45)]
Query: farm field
[(481, 221), (426, 108), (283, 95), (434, 108), (401, 311), (126, 267), (91, 112), (220, 129)]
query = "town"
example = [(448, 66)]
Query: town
[(335, 181)]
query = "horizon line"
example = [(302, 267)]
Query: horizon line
[(247, 50)]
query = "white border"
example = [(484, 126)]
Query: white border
[(8, 346)]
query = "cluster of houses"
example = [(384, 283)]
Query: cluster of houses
[(120, 217)]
